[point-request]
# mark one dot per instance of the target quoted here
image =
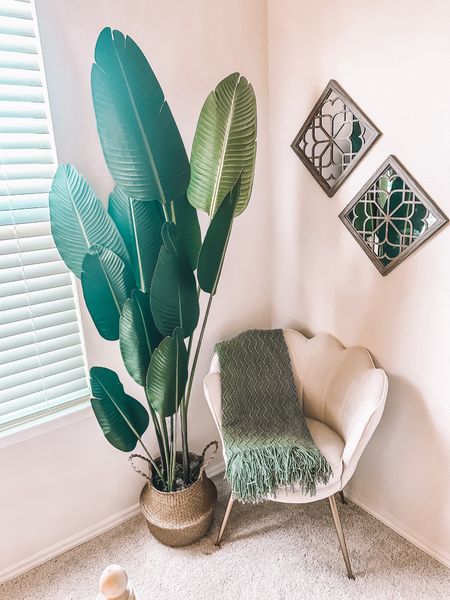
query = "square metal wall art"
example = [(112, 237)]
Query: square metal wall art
[(391, 216), (334, 138)]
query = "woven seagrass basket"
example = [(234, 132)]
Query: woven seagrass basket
[(183, 517)]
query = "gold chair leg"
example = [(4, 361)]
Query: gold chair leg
[(343, 498), (225, 519), (340, 534)]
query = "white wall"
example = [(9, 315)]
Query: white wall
[(392, 58), (57, 485)]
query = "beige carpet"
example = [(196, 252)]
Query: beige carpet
[(270, 552)]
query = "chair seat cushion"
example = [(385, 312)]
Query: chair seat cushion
[(332, 446)]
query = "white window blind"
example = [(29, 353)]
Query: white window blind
[(42, 363)]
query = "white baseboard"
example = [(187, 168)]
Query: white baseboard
[(83, 536), (67, 544), (411, 536), (216, 469)]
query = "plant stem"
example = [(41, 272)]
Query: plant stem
[(172, 447), (159, 438), (174, 441), (197, 352), (184, 432), (154, 465), (184, 443), (165, 437), (166, 214)]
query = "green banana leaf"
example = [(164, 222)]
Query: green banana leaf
[(224, 145), (138, 335), (140, 140), (215, 244), (139, 223), (122, 418), (79, 220), (167, 375), (188, 228), (107, 282), (173, 295)]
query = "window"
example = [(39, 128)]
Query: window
[(42, 362)]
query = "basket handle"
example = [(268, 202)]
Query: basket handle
[(131, 457), (205, 464)]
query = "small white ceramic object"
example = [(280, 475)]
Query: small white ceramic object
[(114, 584)]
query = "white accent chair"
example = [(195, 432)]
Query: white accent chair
[(343, 397)]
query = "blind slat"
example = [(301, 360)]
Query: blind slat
[(23, 125), (24, 172), (15, 26), (22, 109), (17, 43), (21, 93), (27, 157), (12, 8), (20, 76), (18, 60), (25, 141)]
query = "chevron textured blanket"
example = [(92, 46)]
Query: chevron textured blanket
[(267, 440)]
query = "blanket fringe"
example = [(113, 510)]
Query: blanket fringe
[(255, 473)]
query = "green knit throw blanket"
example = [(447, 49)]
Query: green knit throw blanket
[(267, 440)]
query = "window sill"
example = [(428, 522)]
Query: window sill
[(43, 424)]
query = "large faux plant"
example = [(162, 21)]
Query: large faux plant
[(137, 260)]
